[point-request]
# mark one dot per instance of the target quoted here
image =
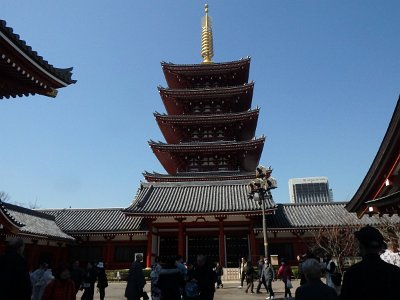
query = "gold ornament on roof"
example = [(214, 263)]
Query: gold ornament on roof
[(207, 51)]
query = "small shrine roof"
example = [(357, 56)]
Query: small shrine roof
[(17, 58), (95, 220), (208, 146), (315, 215), (31, 222), (195, 198), (208, 119)]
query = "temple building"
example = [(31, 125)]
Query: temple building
[(210, 156), (201, 205)]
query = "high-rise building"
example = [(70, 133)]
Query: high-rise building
[(310, 190)]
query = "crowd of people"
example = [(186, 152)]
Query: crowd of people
[(172, 279), (45, 283), (376, 276)]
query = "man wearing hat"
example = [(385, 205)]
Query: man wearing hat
[(136, 281), (371, 278)]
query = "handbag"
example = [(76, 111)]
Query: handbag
[(289, 284)]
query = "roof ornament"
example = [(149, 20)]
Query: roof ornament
[(207, 51)]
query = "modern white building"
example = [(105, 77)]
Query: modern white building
[(310, 190)]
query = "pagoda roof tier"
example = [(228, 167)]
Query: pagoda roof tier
[(203, 75), (195, 198), (175, 157), (175, 101), (24, 72), (179, 128), (198, 176)]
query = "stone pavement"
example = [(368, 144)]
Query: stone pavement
[(115, 291)]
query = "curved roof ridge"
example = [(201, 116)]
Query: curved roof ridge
[(62, 73), (205, 66)]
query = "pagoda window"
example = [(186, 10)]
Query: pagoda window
[(195, 135), (194, 164), (197, 109), (208, 161), (220, 133), (207, 109), (208, 134), (223, 163)]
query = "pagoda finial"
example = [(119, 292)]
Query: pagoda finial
[(207, 51)]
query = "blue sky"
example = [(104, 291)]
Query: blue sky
[(326, 75)]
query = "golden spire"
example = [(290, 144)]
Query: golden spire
[(207, 51)]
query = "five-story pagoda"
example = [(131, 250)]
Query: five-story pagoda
[(210, 154)]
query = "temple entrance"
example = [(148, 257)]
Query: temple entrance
[(236, 248), (168, 246), (207, 245)]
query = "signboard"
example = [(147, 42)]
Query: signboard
[(274, 260)]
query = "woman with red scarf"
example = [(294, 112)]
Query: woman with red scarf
[(285, 273)]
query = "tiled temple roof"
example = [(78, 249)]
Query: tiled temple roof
[(95, 220), (63, 74), (206, 146), (198, 176), (210, 118), (208, 68), (315, 215), (199, 94), (194, 198), (31, 222), (177, 200)]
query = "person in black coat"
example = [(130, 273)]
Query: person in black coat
[(205, 277), (77, 275), (314, 288), (136, 281), (89, 279), (371, 278), (102, 281), (219, 272), (170, 281), (15, 282)]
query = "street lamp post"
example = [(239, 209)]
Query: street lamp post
[(260, 191)]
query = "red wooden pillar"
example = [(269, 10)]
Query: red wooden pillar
[(253, 244), (181, 237), (107, 250), (221, 242)]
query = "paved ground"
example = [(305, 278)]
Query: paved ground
[(229, 292)]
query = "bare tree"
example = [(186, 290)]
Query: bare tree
[(4, 196), (33, 205), (336, 241), (389, 227)]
